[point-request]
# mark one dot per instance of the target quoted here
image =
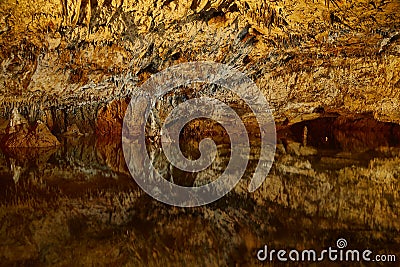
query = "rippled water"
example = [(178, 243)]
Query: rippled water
[(77, 204)]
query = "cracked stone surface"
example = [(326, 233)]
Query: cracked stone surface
[(336, 55)]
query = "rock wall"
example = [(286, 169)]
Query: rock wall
[(303, 55)]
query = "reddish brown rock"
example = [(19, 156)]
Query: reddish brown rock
[(110, 117), (73, 130), (20, 134), (3, 126)]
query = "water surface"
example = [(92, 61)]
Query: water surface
[(77, 204)]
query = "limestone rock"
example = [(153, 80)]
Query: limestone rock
[(110, 118), (17, 122), (300, 150), (73, 130), (20, 134), (342, 56), (3, 126)]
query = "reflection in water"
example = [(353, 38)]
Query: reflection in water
[(72, 158), (342, 181), (16, 170), (347, 134), (78, 165), (21, 160)]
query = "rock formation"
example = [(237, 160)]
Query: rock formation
[(61, 56), (110, 118), (20, 134), (73, 131), (77, 62)]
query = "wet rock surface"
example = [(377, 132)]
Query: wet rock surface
[(19, 133), (329, 69), (110, 118), (336, 55)]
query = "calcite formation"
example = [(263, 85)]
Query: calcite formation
[(61, 57), (69, 67), (110, 118), (73, 131), (19, 133)]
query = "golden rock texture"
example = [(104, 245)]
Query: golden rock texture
[(20, 134), (339, 55), (110, 118), (73, 65)]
